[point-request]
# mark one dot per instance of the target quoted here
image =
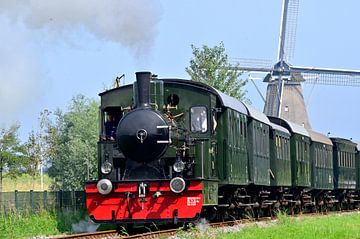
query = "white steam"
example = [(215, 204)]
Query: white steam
[(85, 226), (130, 23), (25, 23)]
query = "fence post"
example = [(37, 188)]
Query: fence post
[(45, 199), (31, 200), (60, 193), (73, 201), (16, 200)]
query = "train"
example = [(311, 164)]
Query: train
[(174, 150)]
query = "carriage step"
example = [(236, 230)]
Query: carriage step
[(264, 192), (287, 195)]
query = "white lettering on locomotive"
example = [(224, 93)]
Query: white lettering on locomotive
[(192, 201)]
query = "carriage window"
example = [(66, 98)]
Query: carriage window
[(198, 119)]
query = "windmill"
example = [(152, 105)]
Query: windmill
[(284, 95)]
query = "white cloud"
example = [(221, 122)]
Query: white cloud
[(21, 78)]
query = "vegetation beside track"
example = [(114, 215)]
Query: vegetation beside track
[(25, 225), (26, 182), (320, 227)]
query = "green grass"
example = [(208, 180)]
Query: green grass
[(25, 183), (321, 227), (329, 227), (26, 225)]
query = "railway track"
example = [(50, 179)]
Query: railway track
[(92, 235), (113, 234)]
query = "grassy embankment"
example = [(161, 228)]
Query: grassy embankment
[(321, 227), (25, 225), (25, 183)]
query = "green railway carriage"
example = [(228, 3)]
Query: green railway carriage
[(258, 147), (232, 136), (280, 163), (244, 133), (344, 163), (321, 151), (300, 152)]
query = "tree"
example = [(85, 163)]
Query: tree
[(39, 147), (74, 139), (32, 147), (12, 157), (44, 136), (211, 66)]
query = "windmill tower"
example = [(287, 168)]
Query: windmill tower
[(284, 95)]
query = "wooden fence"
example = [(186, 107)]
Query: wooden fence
[(34, 201)]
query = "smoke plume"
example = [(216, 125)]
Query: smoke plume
[(26, 24)]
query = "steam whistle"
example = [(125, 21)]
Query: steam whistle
[(168, 107)]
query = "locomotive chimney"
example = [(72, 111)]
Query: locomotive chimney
[(143, 89)]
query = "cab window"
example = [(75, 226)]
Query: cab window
[(198, 119), (111, 117)]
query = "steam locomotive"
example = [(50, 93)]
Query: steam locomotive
[(176, 150)]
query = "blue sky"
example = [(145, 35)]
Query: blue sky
[(50, 52)]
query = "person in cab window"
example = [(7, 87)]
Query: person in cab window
[(198, 119), (110, 127)]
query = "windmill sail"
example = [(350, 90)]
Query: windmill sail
[(288, 29), (327, 76)]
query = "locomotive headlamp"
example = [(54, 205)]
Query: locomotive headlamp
[(104, 186), (179, 166), (106, 167), (177, 185)]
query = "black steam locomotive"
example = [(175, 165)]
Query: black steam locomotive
[(177, 150)]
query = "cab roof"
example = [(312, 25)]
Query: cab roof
[(279, 128), (317, 137), (258, 115), (292, 127)]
